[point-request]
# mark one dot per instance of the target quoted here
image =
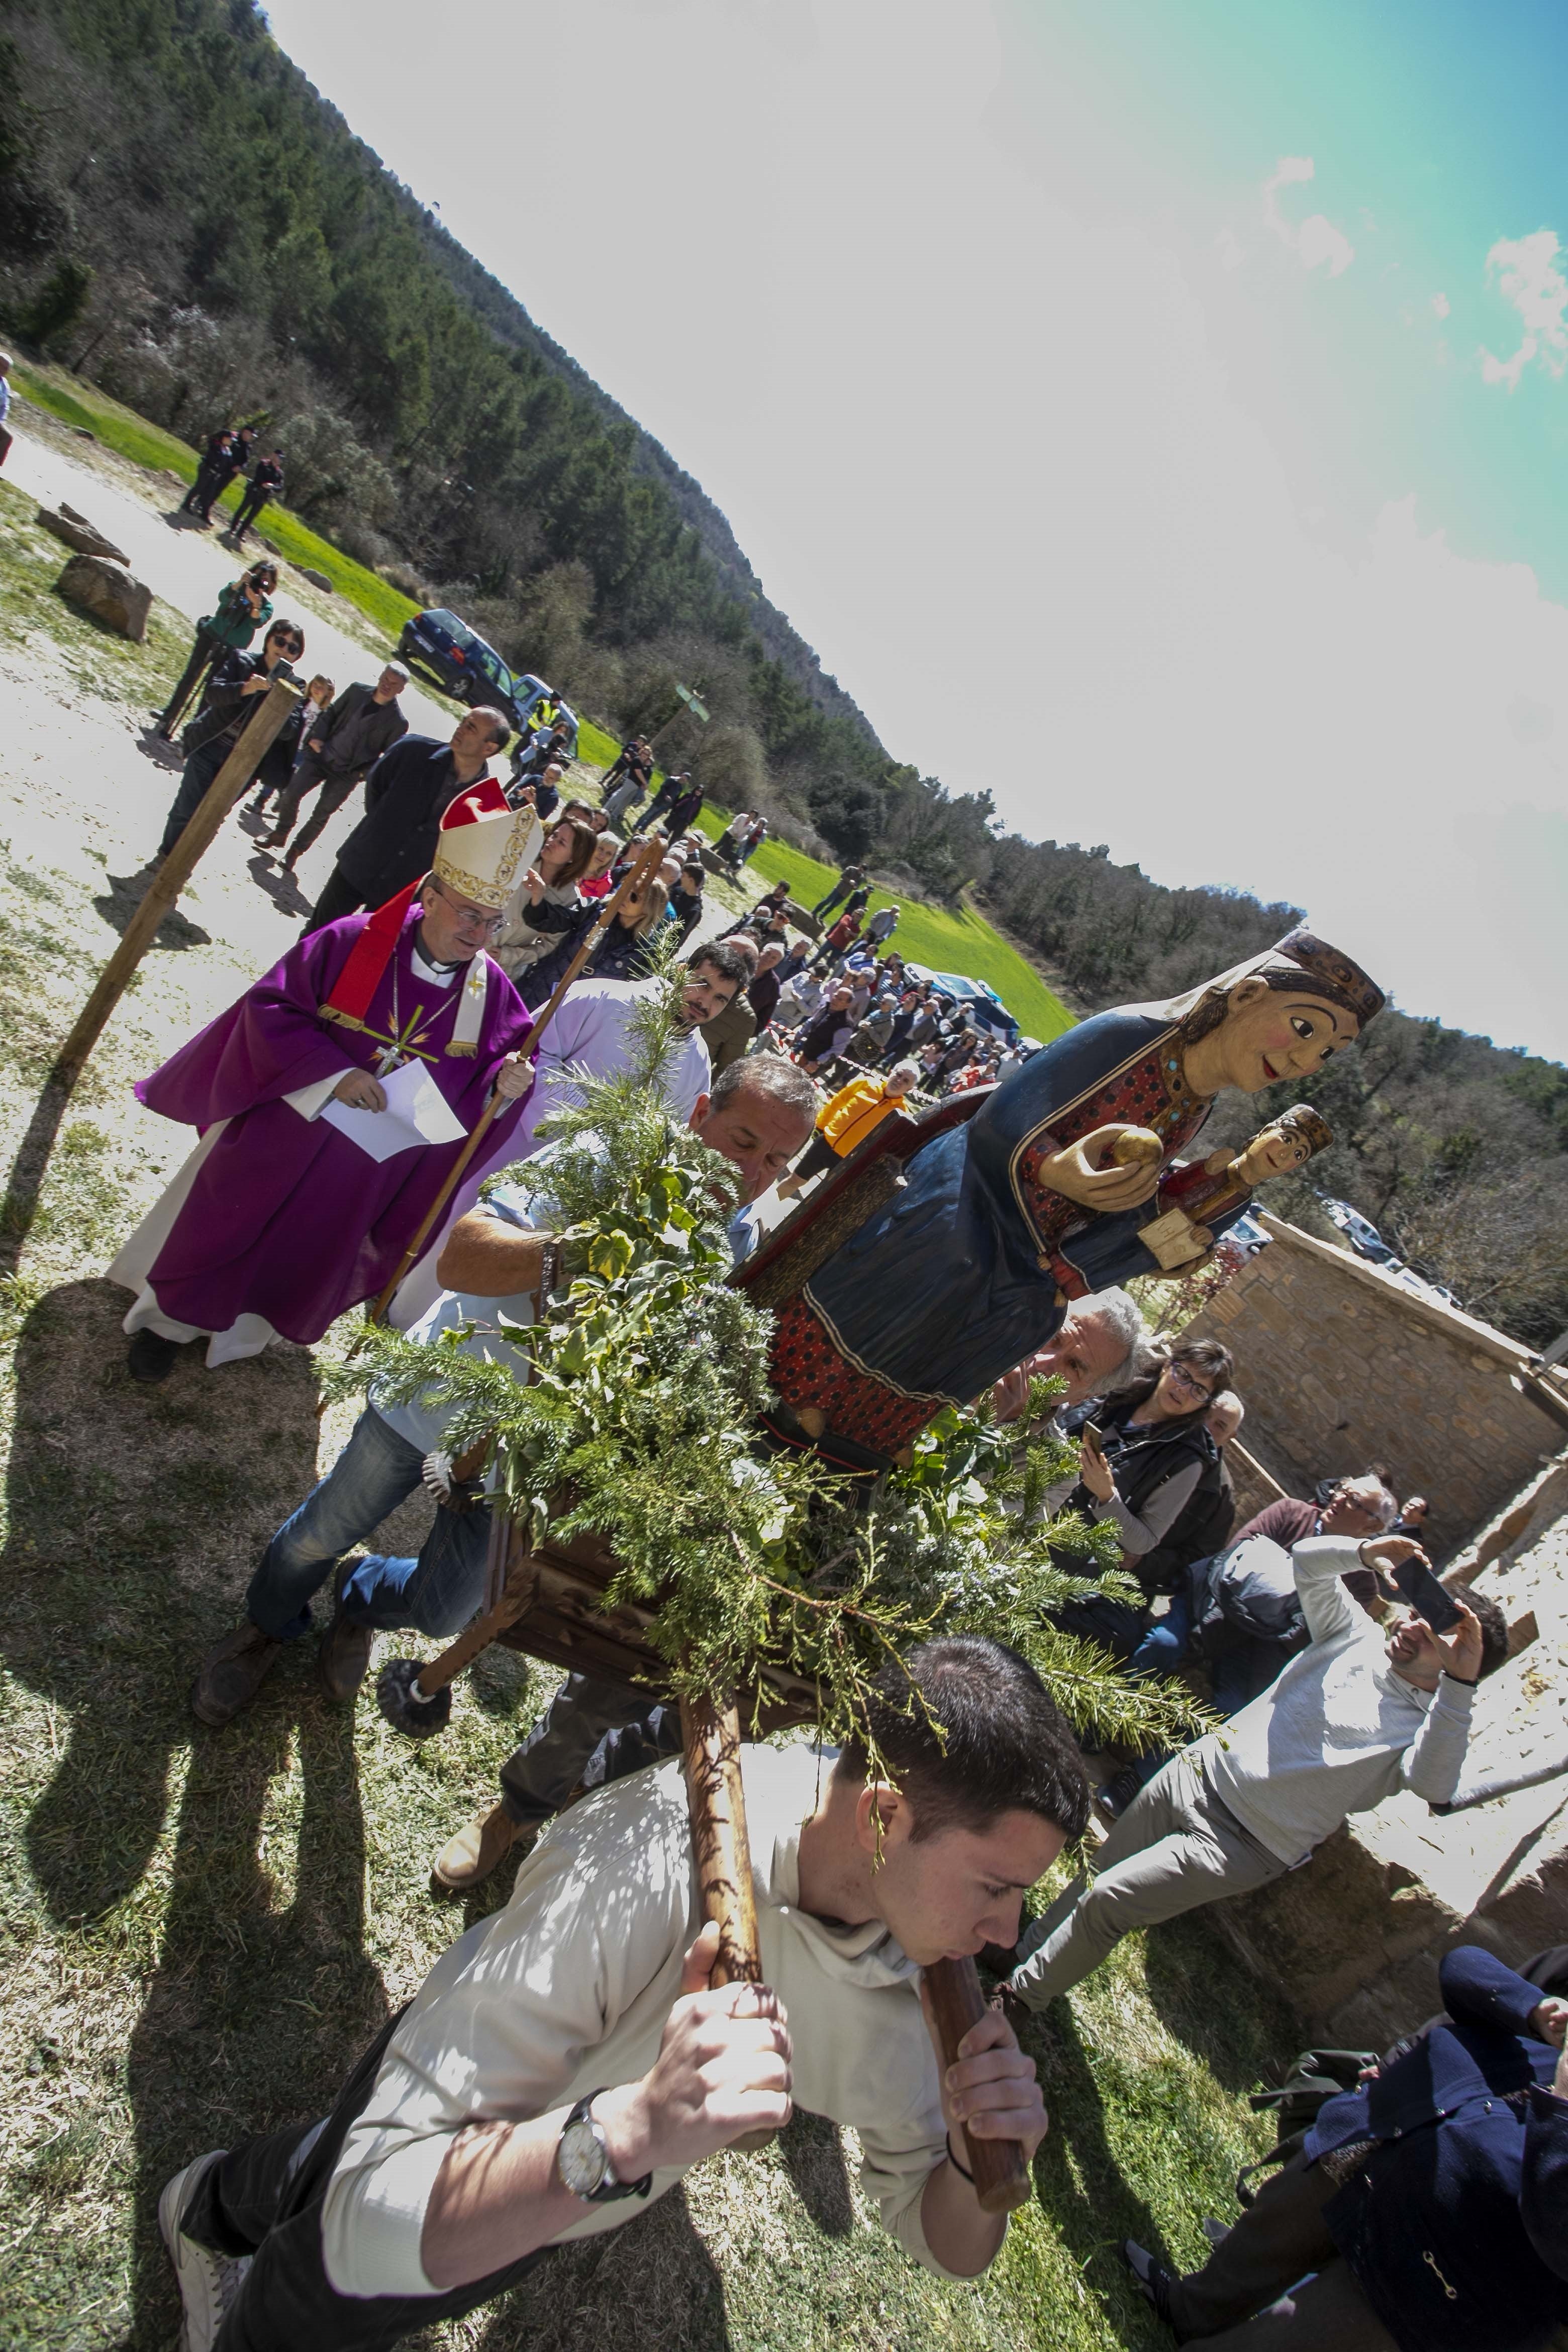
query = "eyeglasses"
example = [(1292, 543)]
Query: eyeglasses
[(469, 916), (1188, 1380)]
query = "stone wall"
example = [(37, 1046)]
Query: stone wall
[(1339, 1366)]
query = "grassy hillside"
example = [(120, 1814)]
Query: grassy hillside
[(958, 941)]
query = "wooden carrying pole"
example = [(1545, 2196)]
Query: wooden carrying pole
[(175, 871), (1001, 2175), (651, 856)]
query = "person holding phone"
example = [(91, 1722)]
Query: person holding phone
[(211, 736), (1145, 1456), (1364, 1710)]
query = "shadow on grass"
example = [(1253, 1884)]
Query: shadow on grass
[(652, 2283), (1245, 2031), (1081, 2185), (135, 1515)]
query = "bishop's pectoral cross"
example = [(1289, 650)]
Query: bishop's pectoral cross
[(399, 1045)]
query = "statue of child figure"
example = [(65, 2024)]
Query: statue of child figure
[(1197, 1200), (1195, 1194)]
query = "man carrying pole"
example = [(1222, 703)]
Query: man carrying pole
[(569, 2059)]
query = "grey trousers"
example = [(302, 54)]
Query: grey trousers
[(1174, 1848), (591, 1732), (1240, 2301)]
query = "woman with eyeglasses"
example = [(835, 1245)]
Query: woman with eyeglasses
[(547, 902), (1143, 1456), (231, 698)]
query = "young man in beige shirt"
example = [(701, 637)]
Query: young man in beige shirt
[(565, 2062)]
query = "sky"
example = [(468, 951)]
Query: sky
[(1152, 411)]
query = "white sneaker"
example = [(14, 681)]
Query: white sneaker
[(208, 2282)]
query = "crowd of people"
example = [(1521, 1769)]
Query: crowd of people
[(568, 2059)]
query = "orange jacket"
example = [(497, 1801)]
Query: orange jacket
[(846, 1119)]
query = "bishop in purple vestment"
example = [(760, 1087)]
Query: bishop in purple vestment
[(280, 1222)]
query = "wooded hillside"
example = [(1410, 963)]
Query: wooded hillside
[(185, 220)]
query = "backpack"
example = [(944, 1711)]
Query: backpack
[(1249, 1591), (1316, 2077)]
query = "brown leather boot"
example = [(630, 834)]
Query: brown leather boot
[(343, 1659), (232, 1673), (476, 1850)]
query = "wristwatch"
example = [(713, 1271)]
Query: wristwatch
[(582, 2160)]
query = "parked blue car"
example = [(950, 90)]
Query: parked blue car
[(460, 661)]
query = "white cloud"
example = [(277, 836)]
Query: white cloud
[(1317, 240), (1528, 277), (1227, 245), (1439, 306)]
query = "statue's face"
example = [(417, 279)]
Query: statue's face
[(1273, 1153), (1269, 1033)]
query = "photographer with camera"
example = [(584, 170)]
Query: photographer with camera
[(213, 734), (245, 607), (1364, 1710)]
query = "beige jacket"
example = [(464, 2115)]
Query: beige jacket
[(567, 1991)]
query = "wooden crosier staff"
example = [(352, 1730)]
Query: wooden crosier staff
[(175, 871), (632, 882)]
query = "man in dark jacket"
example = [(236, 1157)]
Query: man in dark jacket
[(215, 467), (266, 482), (685, 908), (363, 722), (405, 795), (237, 684), (1430, 2206)]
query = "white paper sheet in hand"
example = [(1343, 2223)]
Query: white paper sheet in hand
[(416, 1113)]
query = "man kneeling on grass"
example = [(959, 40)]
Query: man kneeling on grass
[(565, 2062)]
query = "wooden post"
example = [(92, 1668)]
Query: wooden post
[(221, 794), (710, 1737), (1001, 2175), (651, 856)]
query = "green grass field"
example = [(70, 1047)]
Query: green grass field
[(132, 436), (948, 940)]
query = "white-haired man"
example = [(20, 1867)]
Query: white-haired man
[(1096, 1348)]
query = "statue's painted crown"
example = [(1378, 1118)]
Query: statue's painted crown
[(1311, 1125), (1340, 977)]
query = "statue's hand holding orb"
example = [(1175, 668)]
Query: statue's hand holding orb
[(1112, 1166)]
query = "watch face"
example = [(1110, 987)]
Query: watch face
[(583, 2161)]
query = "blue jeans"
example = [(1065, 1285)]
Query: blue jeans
[(377, 1470)]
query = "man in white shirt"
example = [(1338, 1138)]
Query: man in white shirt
[(1366, 1708), (757, 1117), (564, 2062), (772, 1108), (591, 1032)]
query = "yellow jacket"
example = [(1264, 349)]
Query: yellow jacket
[(846, 1119)]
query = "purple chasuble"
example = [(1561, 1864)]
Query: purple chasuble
[(287, 1218)]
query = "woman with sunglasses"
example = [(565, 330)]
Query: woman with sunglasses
[(1143, 1456), (209, 738)]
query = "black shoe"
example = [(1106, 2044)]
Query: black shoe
[(1153, 2281), (1119, 1791), (152, 1356), (343, 1659), (232, 1673)]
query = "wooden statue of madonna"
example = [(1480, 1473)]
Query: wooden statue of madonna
[(953, 1279)]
